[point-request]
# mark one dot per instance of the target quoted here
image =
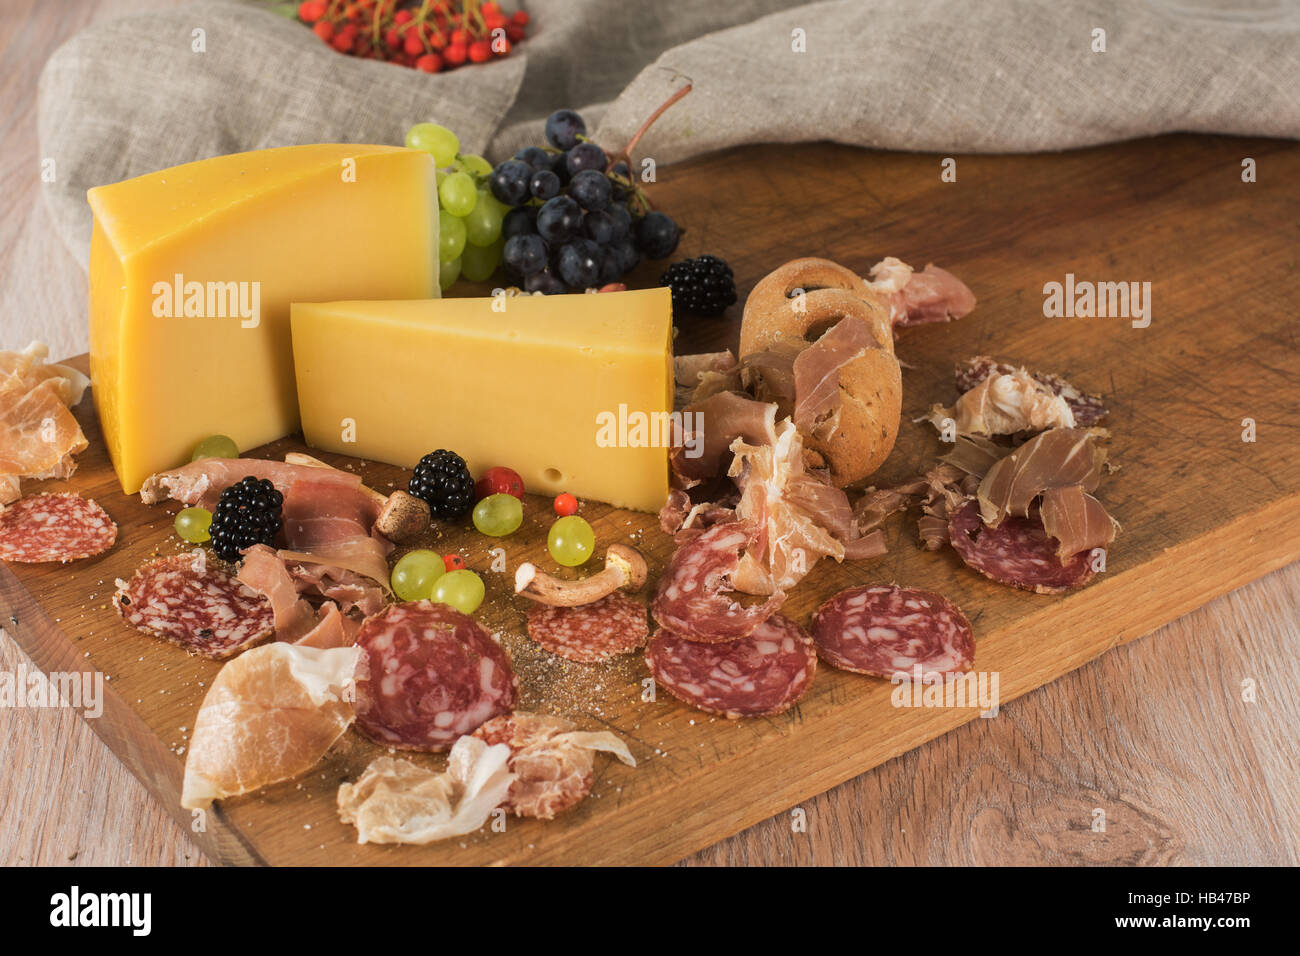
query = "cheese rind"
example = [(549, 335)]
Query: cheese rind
[(262, 229), (542, 384)]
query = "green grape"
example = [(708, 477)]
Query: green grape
[(457, 194), (571, 541), (479, 262), (451, 236), (499, 514), (462, 590), (483, 223), (436, 140), (215, 446), (192, 525), (448, 272), (474, 165), (415, 574)]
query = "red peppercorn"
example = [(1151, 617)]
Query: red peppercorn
[(402, 16), (453, 562), (455, 54), (480, 51), (310, 11), (325, 30), (515, 32), (565, 505), (413, 45), (429, 63), (520, 17)]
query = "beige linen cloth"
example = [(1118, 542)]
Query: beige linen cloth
[(133, 95)]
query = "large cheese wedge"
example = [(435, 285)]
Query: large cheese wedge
[(571, 391), (192, 270)]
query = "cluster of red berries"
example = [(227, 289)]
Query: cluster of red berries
[(430, 36)]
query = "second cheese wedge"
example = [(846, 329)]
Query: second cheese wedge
[(192, 270), (571, 391)]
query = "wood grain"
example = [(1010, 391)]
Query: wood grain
[(1021, 787)]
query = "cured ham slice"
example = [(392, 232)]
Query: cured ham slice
[(724, 418), (201, 482), (918, 298), (1054, 459), (334, 524), (38, 434), (296, 621), (396, 801), (271, 715), (1087, 409), (1077, 520), (1005, 404), (697, 377), (805, 517), (816, 373)]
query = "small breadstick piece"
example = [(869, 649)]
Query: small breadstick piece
[(624, 568)]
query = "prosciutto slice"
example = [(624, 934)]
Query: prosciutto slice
[(1054, 459), (1077, 520), (722, 418), (38, 434), (296, 621), (201, 482), (918, 298), (805, 517), (334, 525), (816, 372)]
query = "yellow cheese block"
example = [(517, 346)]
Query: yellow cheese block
[(192, 270), (571, 391)]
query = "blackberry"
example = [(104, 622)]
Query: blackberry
[(702, 286), (248, 513), (443, 481)]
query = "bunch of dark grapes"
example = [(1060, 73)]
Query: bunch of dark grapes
[(576, 222)]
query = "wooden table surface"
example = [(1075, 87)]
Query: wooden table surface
[(1182, 779)]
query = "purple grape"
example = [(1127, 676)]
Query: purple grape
[(519, 222), (599, 227), (559, 219), (626, 253), (563, 127), (579, 263), (611, 269), (622, 220), (525, 255), (657, 235), (534, 156), (590, 188), (545, 283), (544, 185), (509, 182), (585, 156)]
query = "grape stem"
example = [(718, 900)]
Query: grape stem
[(626, 153)]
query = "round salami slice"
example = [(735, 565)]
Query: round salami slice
[(203, 609), (58, 527), (590, 633), (1017, 552), (691, 598), (764, 673), (435, 674), (882, 630), (550, 775)]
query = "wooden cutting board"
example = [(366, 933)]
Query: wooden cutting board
[(1202, 510)]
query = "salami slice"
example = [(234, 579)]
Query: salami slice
[(1017, 552), (882, 630), (691, 598), (58, 527), (203, 609), (761, 674), (435, 674), (590, 633)]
